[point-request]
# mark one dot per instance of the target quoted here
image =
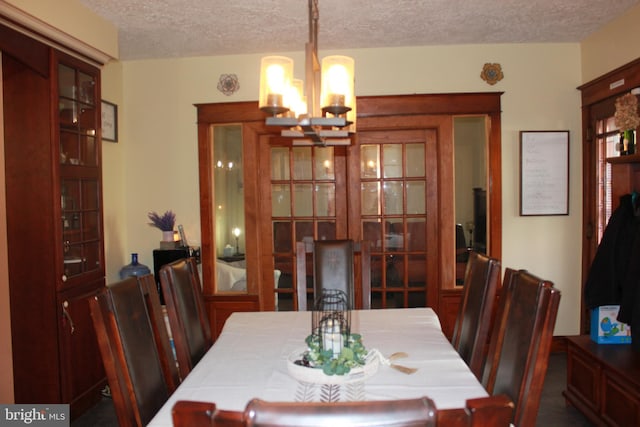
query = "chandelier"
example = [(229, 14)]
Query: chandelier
[(325, 113)]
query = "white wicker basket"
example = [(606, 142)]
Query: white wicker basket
[(316, 376)]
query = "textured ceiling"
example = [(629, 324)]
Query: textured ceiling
[(178, 28)]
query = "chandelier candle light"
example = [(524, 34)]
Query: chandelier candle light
[(300, 114)]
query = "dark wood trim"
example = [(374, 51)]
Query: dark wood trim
[(559, 344), (603, 381), (229, 112), (595, 94), (220, 307), (374, 113), (489, 103), (615, 82), (25, 49), (440, 103), (254, 130)]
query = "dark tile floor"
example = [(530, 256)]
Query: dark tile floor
[(553, 411)]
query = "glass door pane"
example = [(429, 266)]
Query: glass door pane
[(393, 213), (230, 232), (304, 208), (80, 226), (80, 177)]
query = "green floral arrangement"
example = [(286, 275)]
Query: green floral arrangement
[(351, 356)]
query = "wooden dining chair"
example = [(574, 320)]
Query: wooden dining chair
[(187, 313), (521, 341), (332, 267), (493, 411), (187, 413), (159, 325), (136, 362), (471, 332), (401, 413)]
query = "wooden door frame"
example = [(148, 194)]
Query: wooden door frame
[(452, 104), (613, 83), (369, 109), (253, 130)]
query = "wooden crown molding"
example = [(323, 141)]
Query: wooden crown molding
[(37, 29)]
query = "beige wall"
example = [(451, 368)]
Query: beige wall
[(539, 93), (154, 164), (614, 45), (113, 176)]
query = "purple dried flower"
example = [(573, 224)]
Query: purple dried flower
[(166, 222)]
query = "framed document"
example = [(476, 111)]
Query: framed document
[(544, 173), (109, 121)]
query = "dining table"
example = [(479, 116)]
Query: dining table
[(252, 359)]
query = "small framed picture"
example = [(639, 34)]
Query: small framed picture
[(109, 121)]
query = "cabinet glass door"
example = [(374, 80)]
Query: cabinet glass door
[(79, 173)]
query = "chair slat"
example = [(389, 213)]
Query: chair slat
[(134, 350), (471, 332), (521, 341), (187, 313)]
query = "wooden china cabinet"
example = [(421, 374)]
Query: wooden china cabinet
[(51, 107)]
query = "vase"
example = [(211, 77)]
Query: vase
[(167, 236), (134, 269), (629, 136), (627, 142)]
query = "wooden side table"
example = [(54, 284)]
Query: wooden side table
[(603, 381)]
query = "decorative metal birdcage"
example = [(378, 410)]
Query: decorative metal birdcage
[(331, 321)]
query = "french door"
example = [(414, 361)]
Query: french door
[(393, 186), (383, 189), (304, 199), (398, 174)]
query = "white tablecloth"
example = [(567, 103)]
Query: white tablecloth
[(249, 360)]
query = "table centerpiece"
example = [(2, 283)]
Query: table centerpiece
[(333, 354)]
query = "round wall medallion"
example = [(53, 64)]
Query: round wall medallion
[(228, 84), (491, 73)]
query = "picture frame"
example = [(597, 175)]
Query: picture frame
[(109, 121), (544, 172)]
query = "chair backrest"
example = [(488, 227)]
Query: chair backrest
[(188, 317), (333, 267), (492, 411), (187, 413), (159, 325), (471, 332), (377, 413), (131, 351), (521, 341)]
